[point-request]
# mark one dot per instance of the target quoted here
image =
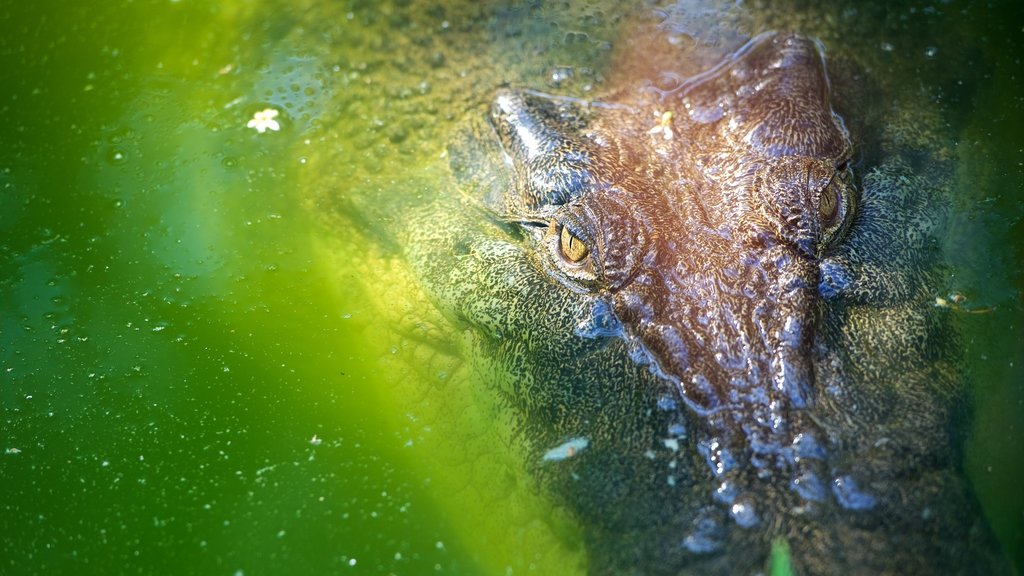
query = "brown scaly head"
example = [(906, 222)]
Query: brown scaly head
[(706, 259)]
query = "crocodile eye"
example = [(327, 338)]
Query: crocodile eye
[(568, 253), (571, 247), (828, 206), (837, 205)]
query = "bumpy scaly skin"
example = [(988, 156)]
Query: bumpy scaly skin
[(744, 363)]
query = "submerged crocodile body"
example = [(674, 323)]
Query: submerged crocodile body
[(712, 313)]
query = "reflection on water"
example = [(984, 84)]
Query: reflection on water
[(213, 357)]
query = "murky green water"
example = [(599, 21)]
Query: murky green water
[(213, 359)]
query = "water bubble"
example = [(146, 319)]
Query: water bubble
[(666, 403), (744, 514), (809, 487), (850, 495), (119, 136), (707, 534), (115, 157), (575, 38), (719, 459), (559, 75), (436, 60), (725, 493)]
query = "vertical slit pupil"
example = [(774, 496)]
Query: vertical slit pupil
[(572, 247)]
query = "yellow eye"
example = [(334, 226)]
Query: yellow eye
[(837, 205), (572, 248)]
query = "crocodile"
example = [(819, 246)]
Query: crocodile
[(709, 304)]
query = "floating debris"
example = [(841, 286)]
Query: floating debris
[(664, 126), (566, 450), (316, 441), (957, 301), (264, 120)]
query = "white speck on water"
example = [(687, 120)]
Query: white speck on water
[(566, 450)]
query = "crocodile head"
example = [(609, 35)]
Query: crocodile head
[(714, 322), (698, 220)]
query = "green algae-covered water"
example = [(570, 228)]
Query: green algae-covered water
[(213, 359)]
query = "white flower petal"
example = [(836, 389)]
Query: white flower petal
[(263, 120)]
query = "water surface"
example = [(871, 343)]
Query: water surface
[(212, 356)]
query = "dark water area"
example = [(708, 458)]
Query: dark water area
[(214, 358)]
